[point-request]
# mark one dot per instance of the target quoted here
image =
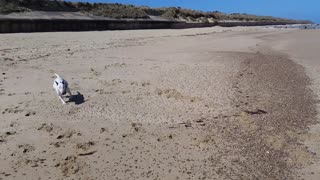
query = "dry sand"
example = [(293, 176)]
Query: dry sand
[(211, 103)]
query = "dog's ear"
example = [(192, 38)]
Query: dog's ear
[(56, 83)]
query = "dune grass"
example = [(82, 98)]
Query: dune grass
[(116, 10)]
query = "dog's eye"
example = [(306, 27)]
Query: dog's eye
[(56, 82), (62, 82)]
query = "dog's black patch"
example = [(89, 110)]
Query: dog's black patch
[(65, 87)]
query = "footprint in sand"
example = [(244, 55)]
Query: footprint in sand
[(57, 144), (27, 93), (14, 110), (67, 134), (46, 127), (94, 72), (126, 92), (35, 162), (116, 82), (30, 114), (173, 93), (169, 93), (136, 126), (134, 83), (85, 146), (102, 91), (116, 65), (3, 138), (13, 124), (145, 84), (26, 148), (70, 165)]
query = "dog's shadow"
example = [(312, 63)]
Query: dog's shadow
[(77, 98)]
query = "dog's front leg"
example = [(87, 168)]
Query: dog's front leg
[(63, 102)]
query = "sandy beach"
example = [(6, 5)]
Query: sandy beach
[(209, 103)]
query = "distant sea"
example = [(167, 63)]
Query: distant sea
[(299, 26)]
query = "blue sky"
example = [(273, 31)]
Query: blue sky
[(294, 9)]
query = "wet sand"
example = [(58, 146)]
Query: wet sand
[(211, 103)]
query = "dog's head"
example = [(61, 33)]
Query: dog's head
[(61, 85)]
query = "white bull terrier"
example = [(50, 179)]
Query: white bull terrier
[(61, 87)]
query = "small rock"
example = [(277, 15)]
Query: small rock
[(200, 120), (102, 130), (8, 133), (30, 113), (60, 136)]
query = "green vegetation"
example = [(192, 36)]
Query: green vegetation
[(8, 6), (111, 10), (129, 11)]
